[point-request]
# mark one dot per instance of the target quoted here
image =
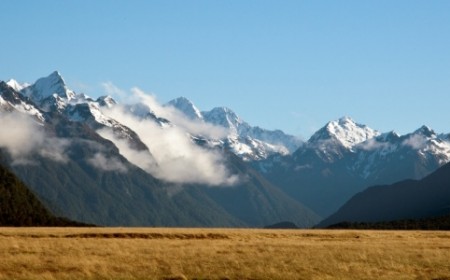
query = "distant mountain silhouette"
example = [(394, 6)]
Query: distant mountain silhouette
[(409, 199)]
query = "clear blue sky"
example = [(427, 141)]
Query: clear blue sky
[(292, 65)]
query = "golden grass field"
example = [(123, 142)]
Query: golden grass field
[(165, 253)]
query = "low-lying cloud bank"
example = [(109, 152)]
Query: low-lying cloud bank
[(22, 136), (173, 156), (417, 142)]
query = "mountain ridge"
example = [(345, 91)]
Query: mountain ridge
[(246, 141), (327, 170), (409, 199), (339, 160), (87, 177)]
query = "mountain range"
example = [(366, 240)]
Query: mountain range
[(343, 153), (144, 163), (87, 165), (344, 157), (246, 141)]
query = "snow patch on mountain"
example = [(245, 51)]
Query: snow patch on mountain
[(225, 117), (30, 110), (187, 107), (244, 140), (345, 131), (81, 112), (16, 85), (12, 100), (52, 85), (392, 146)]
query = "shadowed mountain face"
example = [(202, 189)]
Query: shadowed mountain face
[(408, 199), (255, 198), (20, 207), (79, 174), (134, 198)]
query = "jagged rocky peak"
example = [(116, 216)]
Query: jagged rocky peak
[(223, 116), (187, 107), (425, 131), (106, 101), (388, 136), (346, 131), (51, 85)]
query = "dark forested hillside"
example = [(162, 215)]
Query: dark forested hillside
[(409, 199), (20, 207)]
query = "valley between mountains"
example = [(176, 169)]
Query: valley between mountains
[(141, 163)]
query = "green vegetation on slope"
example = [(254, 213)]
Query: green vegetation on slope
[(20, 207)]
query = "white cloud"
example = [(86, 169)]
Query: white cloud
[(21, 136), (173, 156), (142, 159), (372, 144), (416, 142), (195, 127), (100, 161)]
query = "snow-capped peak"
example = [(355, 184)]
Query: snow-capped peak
[(346, 131), (187, 107), (51, 85), (425, 131), (11, 99), (106, 101), (225, 117), (16, 85)]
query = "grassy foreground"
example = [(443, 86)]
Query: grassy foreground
[(156, 253)]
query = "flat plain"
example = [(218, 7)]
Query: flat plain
[(181, 253)]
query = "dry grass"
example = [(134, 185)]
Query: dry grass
[(154, 253)]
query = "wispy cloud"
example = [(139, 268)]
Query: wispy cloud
[(416, 142), (372, 144), (173, 156), (21, 136), (195, 127), (99, 160), (111, 89)]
